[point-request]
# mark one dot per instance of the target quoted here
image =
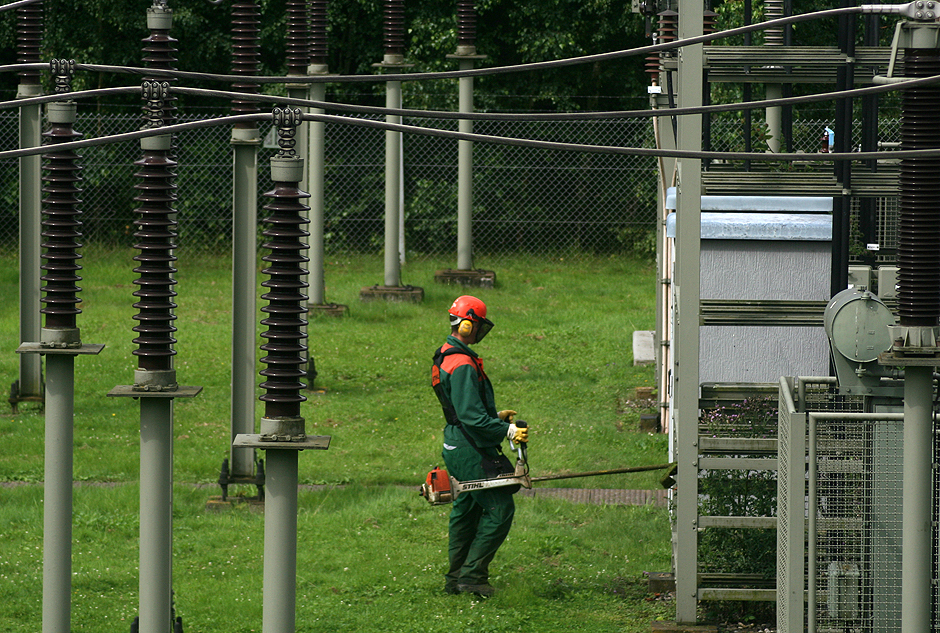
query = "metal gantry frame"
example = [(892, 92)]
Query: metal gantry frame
[(916, 341)]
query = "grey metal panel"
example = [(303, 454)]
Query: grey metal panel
[(756, 270), (751, 354), (816, 227), (771, 204)]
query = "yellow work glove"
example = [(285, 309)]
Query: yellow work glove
[(518, 434), (507, 415)]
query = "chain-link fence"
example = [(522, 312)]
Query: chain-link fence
[(524, 199)]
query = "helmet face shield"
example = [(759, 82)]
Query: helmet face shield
[(483, 328), (483, 324)]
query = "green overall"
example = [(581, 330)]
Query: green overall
[(480, 520)]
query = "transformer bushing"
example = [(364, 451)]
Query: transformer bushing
[(155, 382), (156, 234), (61, 226), (245, 55), (29, 39), (298, 41), (282, 427), (286, 240), (318, 39), (466, 55), (60, 340), (915, 346)]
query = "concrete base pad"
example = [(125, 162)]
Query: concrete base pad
[(476, 278), (215, 504), (392, 293), (328, 309)]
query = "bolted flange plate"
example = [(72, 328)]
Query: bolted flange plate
[(310, 442), (39, 348), (130, 391)]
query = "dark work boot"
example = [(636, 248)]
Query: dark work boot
[(484, 590)]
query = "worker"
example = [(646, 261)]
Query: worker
[(480, 519)]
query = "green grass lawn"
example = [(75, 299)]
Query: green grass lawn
[(371, 552)]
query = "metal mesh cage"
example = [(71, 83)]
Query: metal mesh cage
[(847, 498)]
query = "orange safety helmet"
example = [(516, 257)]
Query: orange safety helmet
[(471, 310)]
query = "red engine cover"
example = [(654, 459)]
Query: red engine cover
[(438, 480)]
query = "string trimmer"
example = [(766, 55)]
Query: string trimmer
[(439, 488)]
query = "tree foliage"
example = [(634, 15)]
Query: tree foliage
[(110, 32)]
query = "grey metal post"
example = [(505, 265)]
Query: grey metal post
[(29, 30), (316, 151), (316, 132), (30, 375), (393, 60), (688, 283), (773, 37), (465, 173), (280, 542), (917, 483), (57, 497), (245, 143), (392, 186), (156, 513)]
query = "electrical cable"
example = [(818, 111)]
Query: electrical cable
[(497, 70), (484, 116), (483, 138), (17, 5)]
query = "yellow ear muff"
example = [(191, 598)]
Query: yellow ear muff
[(465, 327)]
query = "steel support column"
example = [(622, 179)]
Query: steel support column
[(30, 373), (280, 542), (29, 29), (316, 134), (393, 191), (916, 548), (687, 289), (465, 173), (245, 143), (156, 514)]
